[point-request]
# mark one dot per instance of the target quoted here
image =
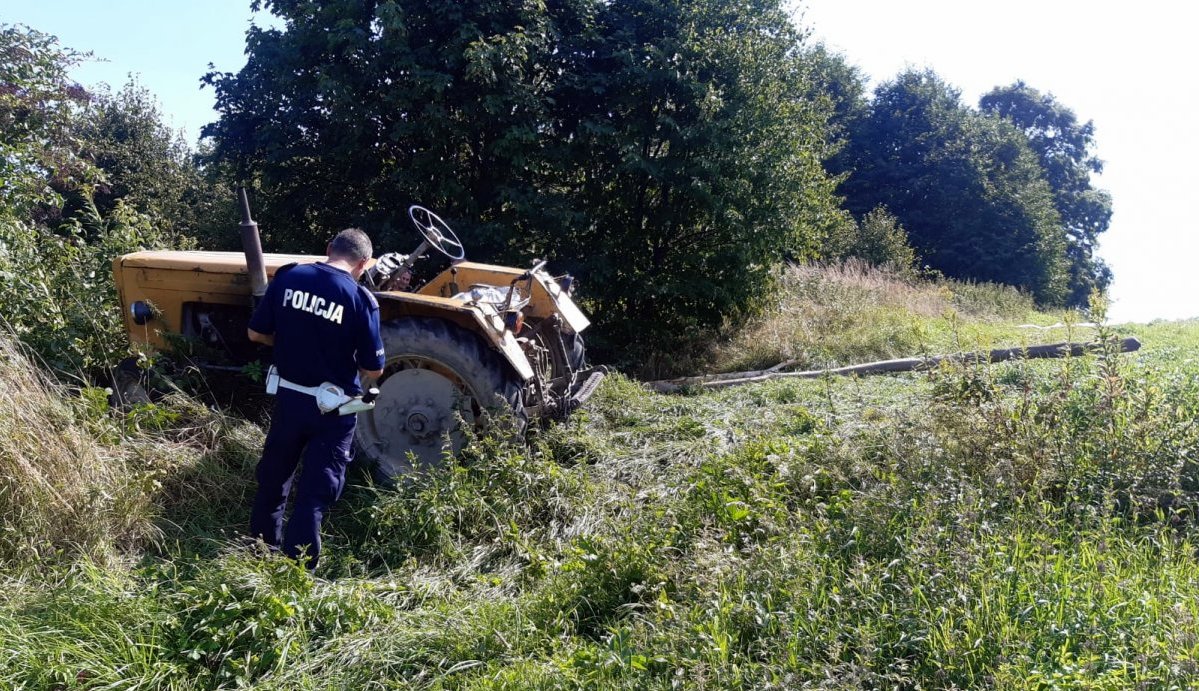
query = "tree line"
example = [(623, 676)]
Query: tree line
[(668, 153)]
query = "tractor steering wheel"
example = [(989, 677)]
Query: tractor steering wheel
[(436, 232)]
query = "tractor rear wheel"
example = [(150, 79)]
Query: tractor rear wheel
[(438, 379)]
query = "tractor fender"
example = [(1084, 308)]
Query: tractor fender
[(481, 319)]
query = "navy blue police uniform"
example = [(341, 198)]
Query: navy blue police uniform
[(326, 327)]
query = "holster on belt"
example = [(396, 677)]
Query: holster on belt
[(330, 398)]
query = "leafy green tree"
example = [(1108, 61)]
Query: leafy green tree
[(354, 110), (968, 189), (663, 150), (38, 105), (1065, 148), (878, 240), (67, 153), (83, 177), (143, 161), (146, 165), (843, 87), (693, 161)]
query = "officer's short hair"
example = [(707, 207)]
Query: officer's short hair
[(352, 244)]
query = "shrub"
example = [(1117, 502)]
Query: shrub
[(879, 240), (60, 298)]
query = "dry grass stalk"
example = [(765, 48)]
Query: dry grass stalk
[(61, 488), (830, 315)]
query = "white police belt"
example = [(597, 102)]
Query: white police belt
[(329, 397)]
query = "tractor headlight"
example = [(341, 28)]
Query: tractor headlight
[(514, 321), (141, 312), (567, 283)]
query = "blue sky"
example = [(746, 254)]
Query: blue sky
[(167, 44), (1123, 65)]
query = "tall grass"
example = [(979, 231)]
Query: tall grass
[(80, 479), (1026, 525), (61, 488), (854, 312)]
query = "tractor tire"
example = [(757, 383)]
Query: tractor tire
[(438, 378)]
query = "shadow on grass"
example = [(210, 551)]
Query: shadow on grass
[(206, 511)]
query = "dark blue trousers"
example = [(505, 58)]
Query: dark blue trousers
[(298, 428)]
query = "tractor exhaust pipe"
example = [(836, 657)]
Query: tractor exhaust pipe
[(251, 244)]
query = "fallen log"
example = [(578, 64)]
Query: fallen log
[(1054, 350)]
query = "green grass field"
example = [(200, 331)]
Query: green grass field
[(1023, 525)]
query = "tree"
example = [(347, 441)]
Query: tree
[(878, 240), (147, 166), (356, 110), (967, 188), (83, 178), (662, 150), (693, 161), (67, 152), (143, 162), (1065, 148), (38, 104), (843, 87)]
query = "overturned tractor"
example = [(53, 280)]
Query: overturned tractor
[(473, 345)]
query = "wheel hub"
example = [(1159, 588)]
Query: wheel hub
[(417, 422), (423, 421)]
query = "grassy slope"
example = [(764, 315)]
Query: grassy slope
[(1023, 525), (831, 316)]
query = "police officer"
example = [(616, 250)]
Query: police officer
[(325, 330)]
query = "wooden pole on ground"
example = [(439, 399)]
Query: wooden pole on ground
[(1055, 350)]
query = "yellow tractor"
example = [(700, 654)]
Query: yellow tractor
[(474, 344)]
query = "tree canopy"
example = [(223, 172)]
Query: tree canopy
[(662, 150), (968, 188), (39, 103), (1065, 148), (84, 176), (355, 110)]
